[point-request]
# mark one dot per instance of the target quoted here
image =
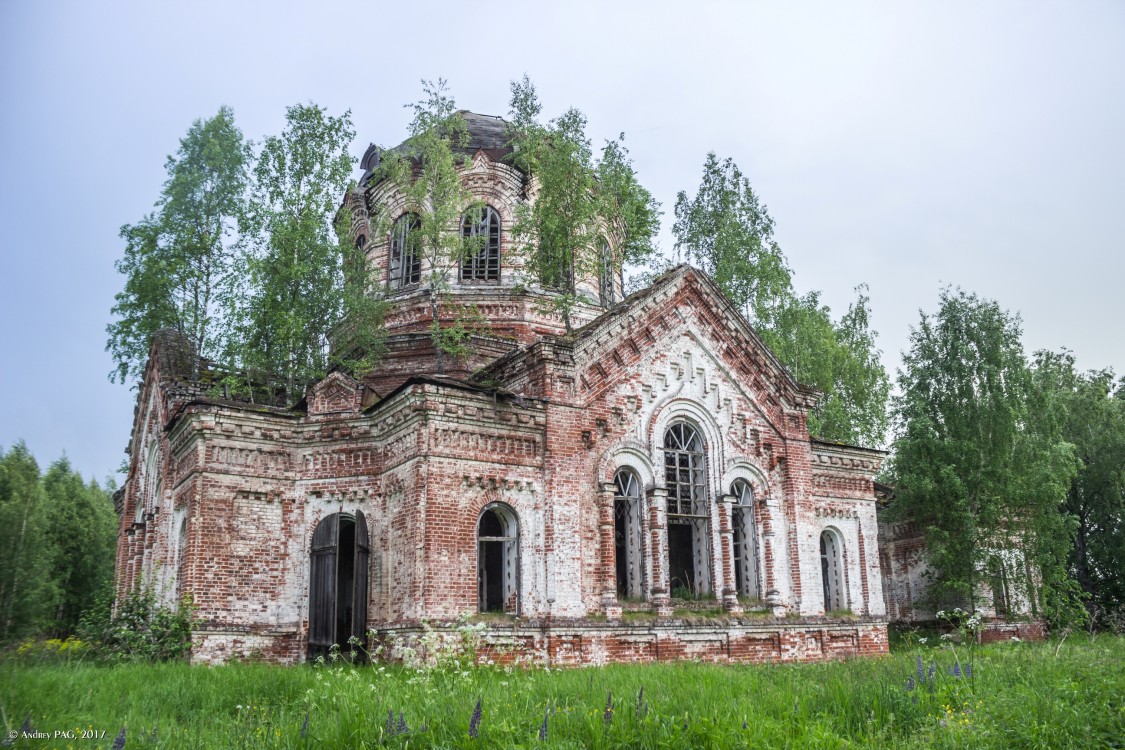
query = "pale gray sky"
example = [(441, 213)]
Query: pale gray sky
[(905, 145)]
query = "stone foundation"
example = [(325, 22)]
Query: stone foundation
[(593, 643)]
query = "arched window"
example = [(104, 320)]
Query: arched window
[(606, 274), (361, 242), (498, 560), (832, 571), (744, 539), (338, 582), (181, 557), (689, 559), (627, 535), (406, 256), (480, 230)]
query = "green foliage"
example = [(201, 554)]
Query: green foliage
[(427, 171), (139, 627), (28, 591), (1087, 410), (179, 262), (82, 530), (727, 232), (57, 537), (579, 203), (1020, 695), (972, 464), (294, 255), (254, 280)]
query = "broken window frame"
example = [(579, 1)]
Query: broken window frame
[(744, 541), (628, 537), (405, 265), (481, 236)]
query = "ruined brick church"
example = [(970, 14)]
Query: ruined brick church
[(643, 489)]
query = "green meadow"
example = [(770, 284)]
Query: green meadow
[(1068, 694)]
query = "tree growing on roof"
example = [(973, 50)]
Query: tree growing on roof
[(299, 296), (589, 217), (179, 261), (427, 170)]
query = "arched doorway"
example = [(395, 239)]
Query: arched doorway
[(338, 582), (498, 560)]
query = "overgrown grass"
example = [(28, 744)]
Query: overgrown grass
[(1069, 695)]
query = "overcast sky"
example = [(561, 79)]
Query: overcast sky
[(902, 145)]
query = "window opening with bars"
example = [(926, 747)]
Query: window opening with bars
[(744, 540), (832, 571), (406, 257), (627, 536), (605, 274), (480, 231), (689, 562)]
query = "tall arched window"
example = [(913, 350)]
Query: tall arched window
[(627, 535), (832, 571), (498, 561), (689, 559), (744, 539), (480, 229), (406, 257), (338, 582), (181, 557), (606, 274)]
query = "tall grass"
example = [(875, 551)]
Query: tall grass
[(1019, 695)]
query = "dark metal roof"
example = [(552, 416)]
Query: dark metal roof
[(486, 133)]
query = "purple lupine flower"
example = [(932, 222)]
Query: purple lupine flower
[(921, 668), (474, 722), (641, 702), (909, 683), (26, 726), (956, 668), (119, 740), (389, 726), (305, 725), (744, 724), (607, 716), (402, 728), (969, 670), (933, 671), (543, 726)]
